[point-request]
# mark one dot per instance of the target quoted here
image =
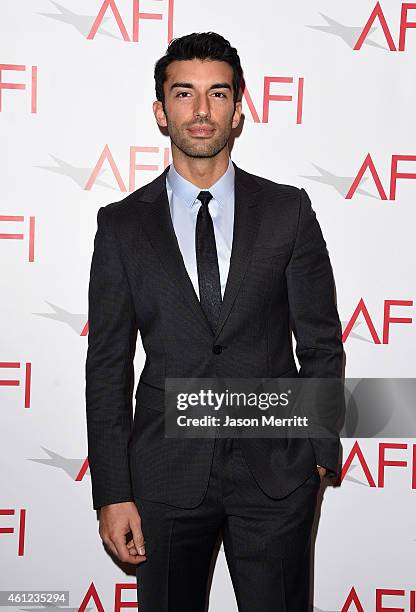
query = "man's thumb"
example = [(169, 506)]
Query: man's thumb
[(138, 540)]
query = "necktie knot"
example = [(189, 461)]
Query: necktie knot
[(204, 197)]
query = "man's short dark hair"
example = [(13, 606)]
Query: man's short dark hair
[(199, 45)]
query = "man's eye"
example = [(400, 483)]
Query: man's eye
[(186, 93)]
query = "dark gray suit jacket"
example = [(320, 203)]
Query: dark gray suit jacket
[(280, 278)]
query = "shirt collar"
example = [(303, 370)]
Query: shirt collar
[(188, 192)]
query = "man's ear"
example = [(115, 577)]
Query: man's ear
[(159, 113), (237, 114)]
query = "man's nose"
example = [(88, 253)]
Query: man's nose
[(202, 107)]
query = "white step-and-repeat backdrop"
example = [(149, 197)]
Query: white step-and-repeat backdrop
[(329, 105)]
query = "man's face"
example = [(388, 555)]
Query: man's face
[(199, 108)]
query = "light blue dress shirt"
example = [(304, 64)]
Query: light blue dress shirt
[(184, 209)]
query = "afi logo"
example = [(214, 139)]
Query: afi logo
[(368, 164), (382, 601), (17, 530), (378, 478), (32, 85), (405, 24), (92, 596), (106, 156), (15, 382), (137, 16), (30, 233), (269, 97), (361, 309)]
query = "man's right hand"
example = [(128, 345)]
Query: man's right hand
[(118, 520)]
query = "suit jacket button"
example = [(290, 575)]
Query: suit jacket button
[(217, 349)]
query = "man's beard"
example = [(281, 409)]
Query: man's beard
[(198, 147)]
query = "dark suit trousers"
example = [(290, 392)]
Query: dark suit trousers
[(267, 542)]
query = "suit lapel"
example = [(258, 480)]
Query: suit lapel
[(247, 210), (160, 231)]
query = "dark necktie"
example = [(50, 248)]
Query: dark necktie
[(207, 262)]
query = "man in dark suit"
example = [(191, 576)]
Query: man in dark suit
[(214, 267)]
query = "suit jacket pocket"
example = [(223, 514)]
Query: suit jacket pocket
[(265, 252)]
